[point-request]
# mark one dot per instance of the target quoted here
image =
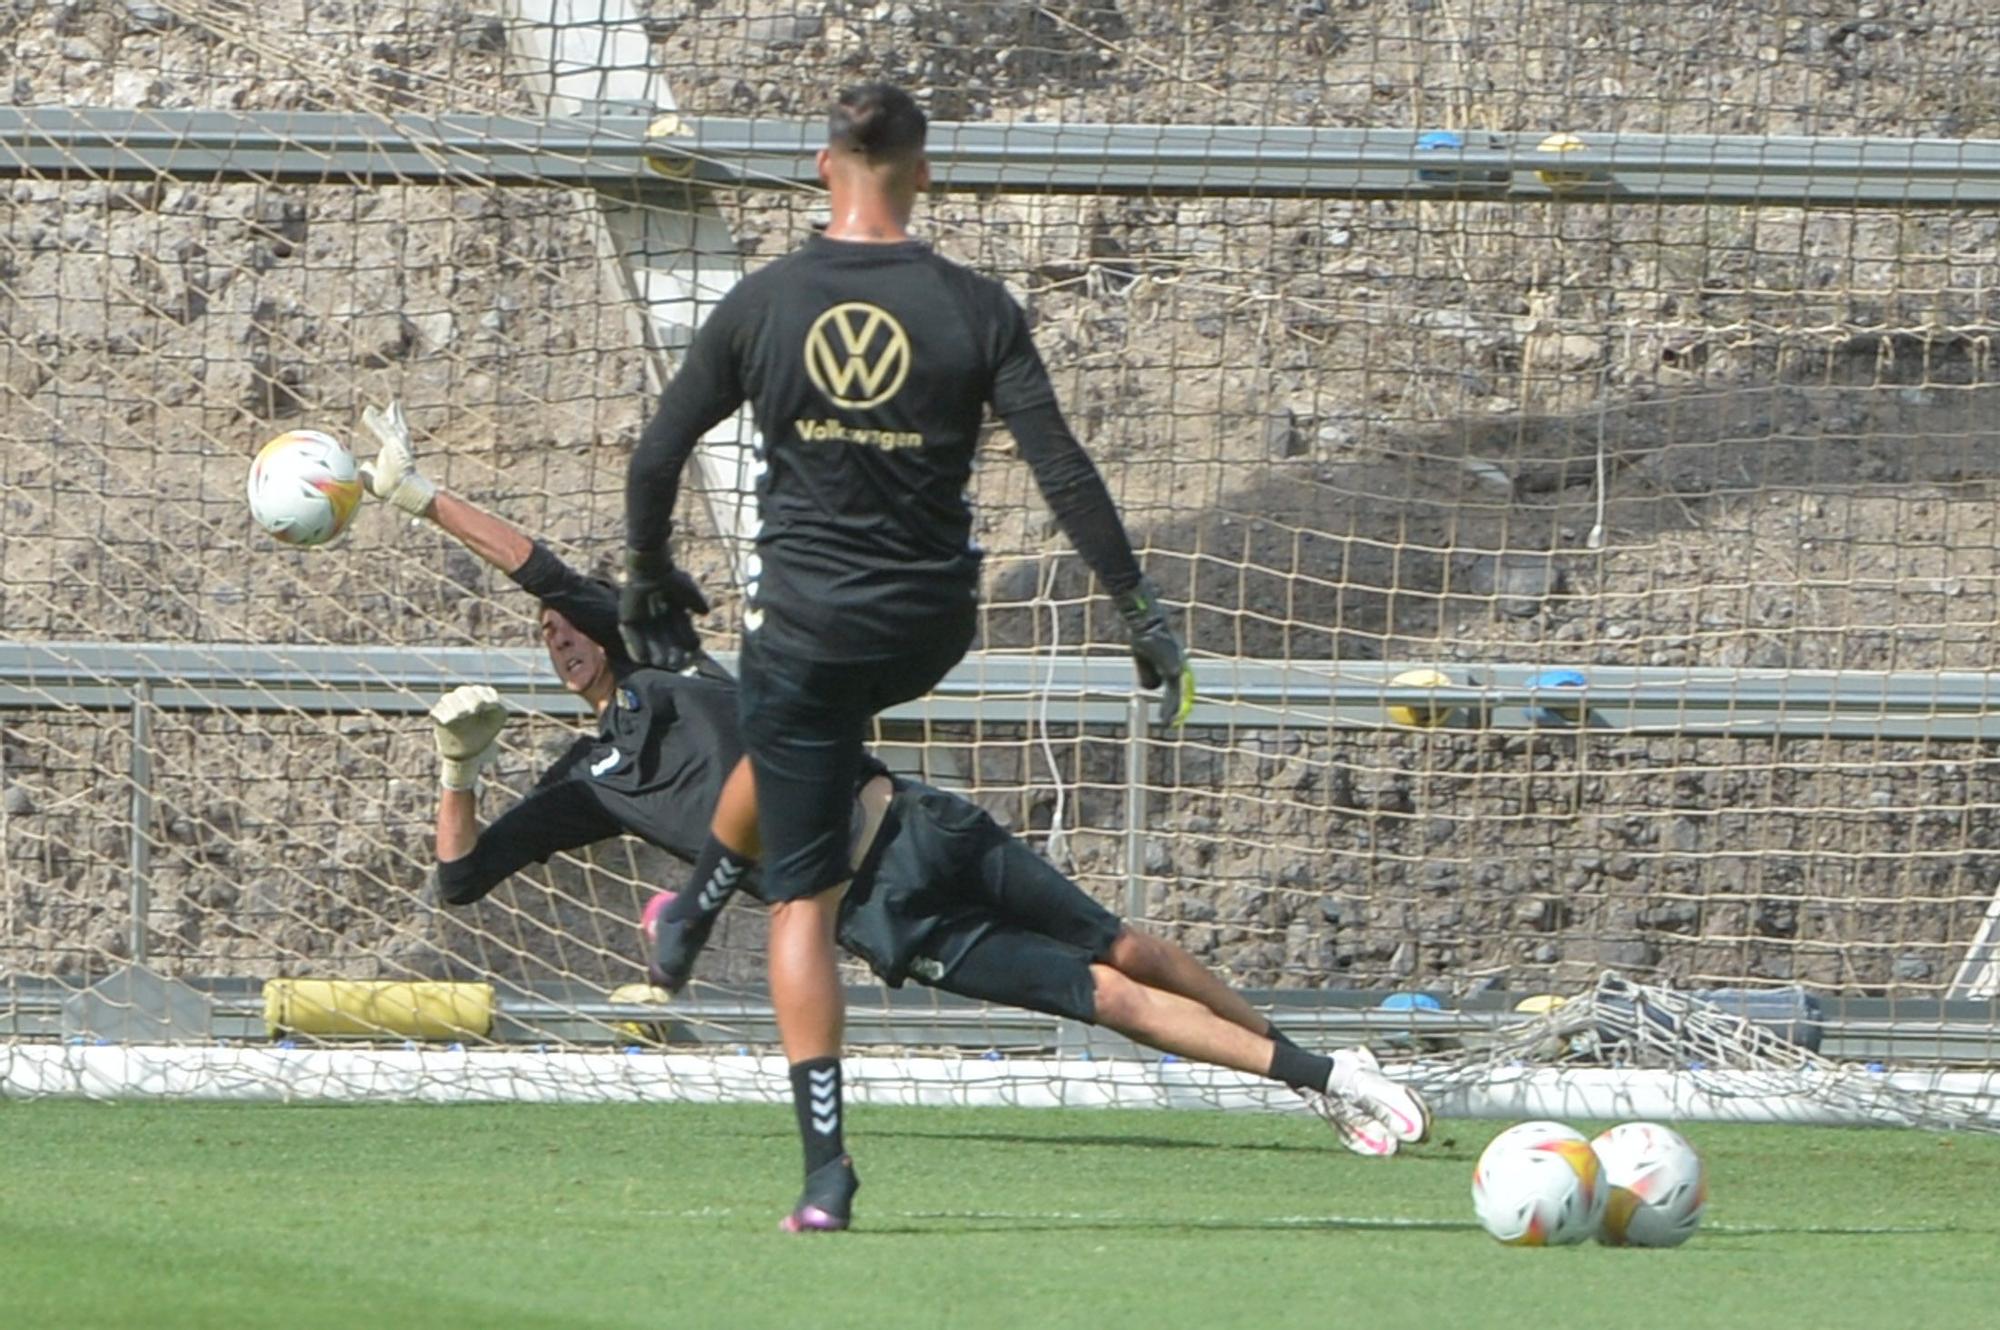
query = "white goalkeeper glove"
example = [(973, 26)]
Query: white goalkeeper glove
[(393, 476), (467, 723)]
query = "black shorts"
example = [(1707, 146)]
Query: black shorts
[(804, 725), (1031, 944)]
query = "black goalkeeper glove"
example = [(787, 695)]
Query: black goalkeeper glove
[(1158, 653), (655, 609)]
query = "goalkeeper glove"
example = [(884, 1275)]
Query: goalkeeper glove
[(466, 725), (1158, 653), (654, 609), (393, 476)]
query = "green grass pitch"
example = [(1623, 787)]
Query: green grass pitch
[(215, 1215)]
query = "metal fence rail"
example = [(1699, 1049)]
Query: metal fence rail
[(644, 149), (1010, 687)]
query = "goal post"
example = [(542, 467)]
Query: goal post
[(1577, 500)]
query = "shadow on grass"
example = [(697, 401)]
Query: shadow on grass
[(1107, 1141), (949, 1221)]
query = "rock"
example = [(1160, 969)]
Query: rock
[(1519, 583), (485, 34), (435, 330), (272, 392), (1440, 877), (137, 88), (1575, 351), (783, 32), (1671, 917), (1911, 969), (16, 801), (1777, 918), (1282, 435), (147, 16), (381, 338)]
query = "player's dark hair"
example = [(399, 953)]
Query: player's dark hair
[(878, 120)]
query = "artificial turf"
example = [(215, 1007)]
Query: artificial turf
[(164, 1215)]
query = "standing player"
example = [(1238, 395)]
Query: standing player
[(869, 361)]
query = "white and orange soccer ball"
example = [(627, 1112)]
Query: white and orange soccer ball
[(304, 487), (1538, 1184), (1658, 1189)]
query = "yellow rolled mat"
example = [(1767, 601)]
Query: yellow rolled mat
[(369, 1008)]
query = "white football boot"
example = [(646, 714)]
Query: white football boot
[(1351, 1124), (1357, 1078)]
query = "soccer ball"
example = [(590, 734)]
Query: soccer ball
[(304, 488), (1538, 1184), (1658, 1189)]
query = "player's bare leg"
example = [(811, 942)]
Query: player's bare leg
[(1176, 1024), (807, 998), (1367, 1111), (1158, 963)]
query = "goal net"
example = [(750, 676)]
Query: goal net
[(1665, 477)]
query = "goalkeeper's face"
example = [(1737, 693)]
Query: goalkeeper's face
[(579, 662)]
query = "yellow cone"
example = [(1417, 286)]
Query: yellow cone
[(1560, 143), (1420, 716), (644, 1032)]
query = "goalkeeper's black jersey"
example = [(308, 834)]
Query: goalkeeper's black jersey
[(869, 368), (653, 769)]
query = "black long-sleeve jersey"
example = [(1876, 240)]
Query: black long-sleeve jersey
[(869, 368), (653, 769)]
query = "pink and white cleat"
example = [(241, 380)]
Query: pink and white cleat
[(1357, 1080), (1351, 1124)]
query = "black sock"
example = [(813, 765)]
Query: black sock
[(1277, 1036), (816, 1100), (1297, 1068), (717, 873)]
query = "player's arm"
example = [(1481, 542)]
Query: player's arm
[(658, 598), (393, 477), (559, 816), (1025, 399)]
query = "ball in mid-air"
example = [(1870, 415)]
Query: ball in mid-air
[(1538, 1184), (1658, 1188), (1421, 716), (304, 488)]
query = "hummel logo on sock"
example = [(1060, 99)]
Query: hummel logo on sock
[(716, 890), (825, 1099), (816, 1101)]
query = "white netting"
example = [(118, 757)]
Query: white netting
[(1477, 435)]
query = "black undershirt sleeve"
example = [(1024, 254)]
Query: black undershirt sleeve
[(588, 602), (1024, 398), (704, 392), (560, 816)]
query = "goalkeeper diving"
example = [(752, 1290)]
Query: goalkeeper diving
[(943, 895)]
